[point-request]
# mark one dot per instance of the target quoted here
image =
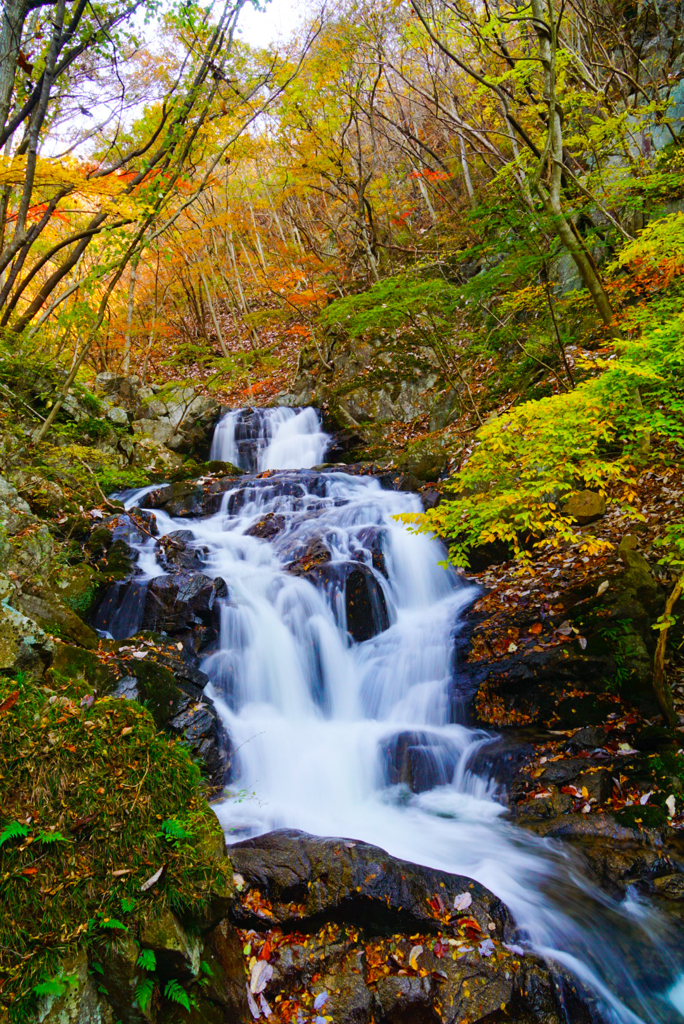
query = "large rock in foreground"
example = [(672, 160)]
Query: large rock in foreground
[(341, 930)]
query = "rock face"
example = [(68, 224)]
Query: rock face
[(342, 929)]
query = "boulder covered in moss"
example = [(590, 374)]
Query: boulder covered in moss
[(110, 833), (24, 646)]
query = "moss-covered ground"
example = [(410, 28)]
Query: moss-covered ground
[(93, 802)]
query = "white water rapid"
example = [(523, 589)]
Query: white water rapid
[(320, 722)]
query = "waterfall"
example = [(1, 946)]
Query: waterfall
[(261, 439), (335, 676)]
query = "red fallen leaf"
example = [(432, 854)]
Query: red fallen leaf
[(571, 790), (10, 701), (440, 948), (536, 629), (436, 903), (30, 871), (471, 928), (265, 953), (67, 746)]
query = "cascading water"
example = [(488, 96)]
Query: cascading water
[(329, 730)]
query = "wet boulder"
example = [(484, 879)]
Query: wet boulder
[(365, 604), (178, 550), (305, 878), (314, 554), (373, 938), (168, 604), (179, 709), (173, 602), (267, 527), (419, 760)]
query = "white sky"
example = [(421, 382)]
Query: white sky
[(279, 20)]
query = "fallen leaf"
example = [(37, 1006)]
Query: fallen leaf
[(536, 629), (127, 730), (153, 879), (486, 947), (413, 957), (30, 871), (139, 654), (253, 1008), (512, 648), (121, 873), (583, 642), (10, 701), (603, 587), (262, 972), (644, 799), (320, 1000), (463, 901), (671, 805), (266, 1009)]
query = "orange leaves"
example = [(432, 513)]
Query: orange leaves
[(10, 701)]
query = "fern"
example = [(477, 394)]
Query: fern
[(15, 830), (56, 986), (143, 993), (147, 960), (173, 831), (128, 903), (112, 923), (206, 969), (175, 992), (50, 838)]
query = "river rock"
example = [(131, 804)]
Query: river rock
[(166, 604), (419, 760), (372, 938), (177, 550), (585, 507), (268, 527), (174, 602), (304, 877)]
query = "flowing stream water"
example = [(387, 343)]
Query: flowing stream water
[(320, 722)]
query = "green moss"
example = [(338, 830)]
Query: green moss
[(112, 479), (100, 781), (648, 816)]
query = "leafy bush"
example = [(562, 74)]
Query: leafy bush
[(596, 436)]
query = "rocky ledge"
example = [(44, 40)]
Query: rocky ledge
[(333, 929)]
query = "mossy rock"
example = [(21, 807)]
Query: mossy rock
[(74, 663), (427, 458), (78, 587), (647, 816), (24, 646), (56, 618), (158, 690), (111, 789)]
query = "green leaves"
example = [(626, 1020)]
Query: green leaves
[(175, 992), (173, 831), (143, 993), (51, 838), (147, 960), (15, 830)]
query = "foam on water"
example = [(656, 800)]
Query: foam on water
[(312, 714)]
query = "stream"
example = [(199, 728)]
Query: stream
[(327, 728)]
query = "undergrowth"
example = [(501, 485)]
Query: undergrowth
[(93, 802)]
